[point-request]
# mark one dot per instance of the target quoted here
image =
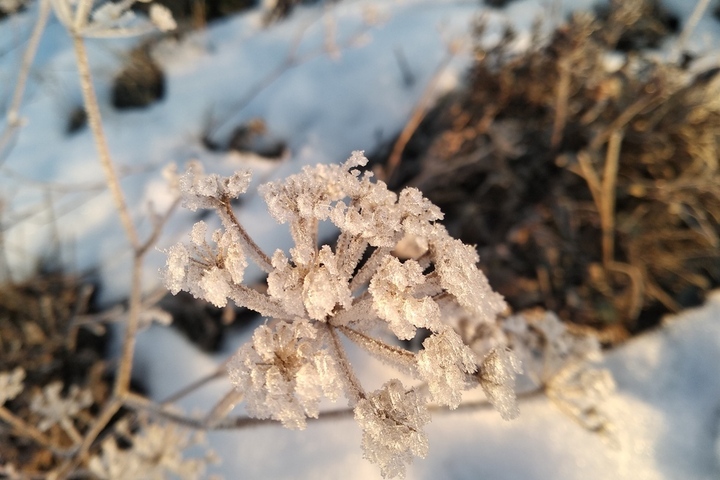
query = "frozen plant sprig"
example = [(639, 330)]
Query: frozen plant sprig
[(55, 408), (155, 453), (552, 360), (316, 293)]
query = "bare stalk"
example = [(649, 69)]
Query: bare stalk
[(24, 428), (689, 27), (416, 118), (561, 104), (607, 207), (13, 113), (111, 408), (95, 122), (354, 389), (122, 381), (242, 421), (259, 257)]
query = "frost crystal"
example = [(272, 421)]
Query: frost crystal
[(445, 363), (497, 377), (561, 362), (393, 299), (284, 373), (392, 420), (358, 290)]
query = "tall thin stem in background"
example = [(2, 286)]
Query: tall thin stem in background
[(13, 112)]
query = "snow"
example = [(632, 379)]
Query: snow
[(666, 412), (667, 407)]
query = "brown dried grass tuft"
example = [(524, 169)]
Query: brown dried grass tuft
[(591, 192)]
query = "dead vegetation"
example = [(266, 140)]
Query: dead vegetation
[(590, 190), (42, 332)]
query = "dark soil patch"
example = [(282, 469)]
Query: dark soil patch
[(140, 83)]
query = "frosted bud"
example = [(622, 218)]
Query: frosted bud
[(323, 286), (392, 291), (497, 378), (392, 420), (176, 268), (284, 373), (215, 286), (444, 363), (455, 263)]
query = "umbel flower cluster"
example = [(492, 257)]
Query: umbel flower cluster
[(362, 290)]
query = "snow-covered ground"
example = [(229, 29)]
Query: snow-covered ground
[(666, 413), (324, 103)]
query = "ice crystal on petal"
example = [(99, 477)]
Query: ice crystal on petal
[(204, 271), (198, 234), (200, 190), (372, 214), (497, 378), (284, 372), (392, 420), (444, 363), (11, 384), (416, 206), (392, 291), (238, 183)]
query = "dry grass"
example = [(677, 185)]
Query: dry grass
[(591, 192)]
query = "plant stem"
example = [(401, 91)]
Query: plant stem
[(95, 121)]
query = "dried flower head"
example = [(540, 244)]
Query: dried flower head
[(316, 294), (155, 452)]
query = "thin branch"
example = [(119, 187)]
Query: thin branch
[(95, 121), (689, 27), (111, 408), (13, 113), (225, 210), (23, 428), (242, 421), (562, 96), (122, 381), (417, 116), (607, 207), (158, 227), (354, 387)]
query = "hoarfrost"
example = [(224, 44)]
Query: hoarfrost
[(392, 420)]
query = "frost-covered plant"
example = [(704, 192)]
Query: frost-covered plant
[(561, 362), (55, 408), (554, 360), (154, 453), (356, 289)]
